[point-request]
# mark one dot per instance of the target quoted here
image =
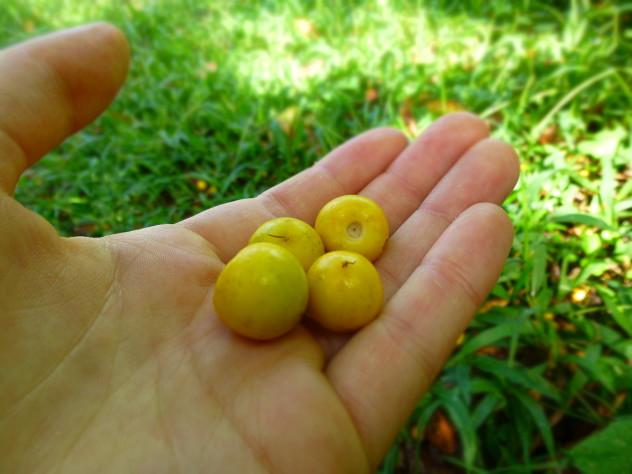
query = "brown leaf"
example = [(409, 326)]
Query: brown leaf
[(313, 68), (85, 229), (371, 94), (548, 135), (493, 303), (287, 117), (305, 27), (441, 434), (579, 294), (406, 113), (490, 351), (201, 185), (444, 107), (537, 396)]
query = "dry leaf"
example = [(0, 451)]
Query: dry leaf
[(371, 94), (287, 117), (492, 351), (441, 434), (305, 27), (313, 68), (493, 303), (548, 135), (201, 185), (579, 294), (406, 113), (85, 229), (443, 107)]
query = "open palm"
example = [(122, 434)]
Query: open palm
[(111, 356)]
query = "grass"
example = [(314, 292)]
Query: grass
[(227, 98)]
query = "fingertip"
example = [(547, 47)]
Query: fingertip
[(111, 47), (390, 133), (468, 121), (510, 156), (495, 219), (381, 145), (114, 40), (366, 142)]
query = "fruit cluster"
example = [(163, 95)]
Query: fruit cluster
[(284, 272)]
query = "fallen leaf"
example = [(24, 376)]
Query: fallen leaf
[(201, 185), (535, 395), (85, 229), (406, 113), (305, 27), (579, 294), (313, 68), (493, 303), (489, 350), (287, 117), (443, 107), (604, 411), (548, 135), (441, 434), (371, 94)]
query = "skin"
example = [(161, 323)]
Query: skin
[(111, 357), (262, 292), (345, 291), (354, 223), (297, 236)]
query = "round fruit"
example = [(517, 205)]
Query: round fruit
[(262, 292), (353, 223), (295, 235), (345, 291)]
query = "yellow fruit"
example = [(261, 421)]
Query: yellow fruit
[(345, 291), (353, 223), (262, 292), (295, 235)]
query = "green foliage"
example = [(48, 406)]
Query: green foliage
[(605, 451), (226, 98)]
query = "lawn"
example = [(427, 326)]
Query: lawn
[(227, 98)]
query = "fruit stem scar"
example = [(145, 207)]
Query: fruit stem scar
[(347, 262), (354, 230), (285, 239)]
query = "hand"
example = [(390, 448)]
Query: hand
[(111, 357)]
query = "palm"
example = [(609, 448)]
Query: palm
[(128, 365)]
